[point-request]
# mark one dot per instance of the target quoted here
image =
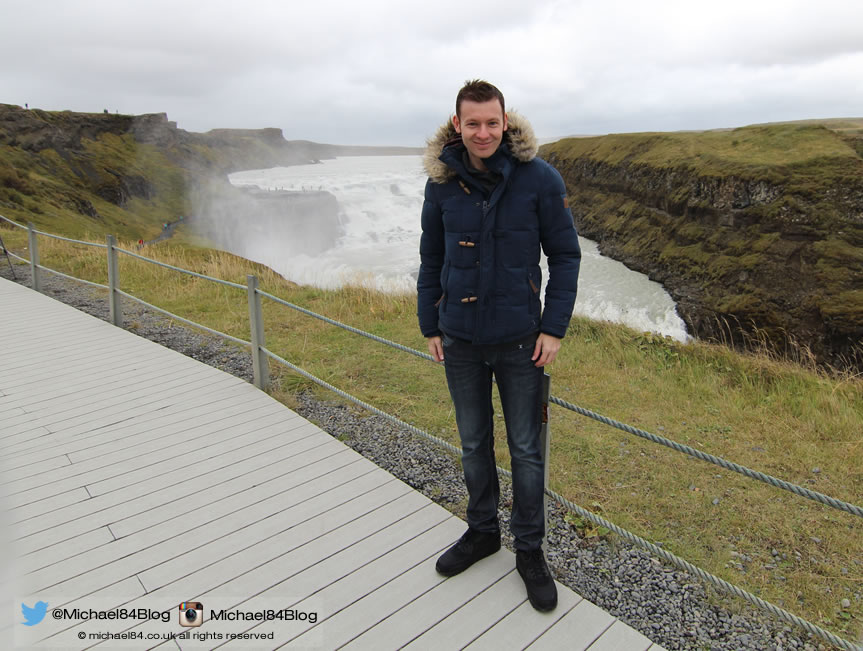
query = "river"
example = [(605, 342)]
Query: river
[(379, 203)]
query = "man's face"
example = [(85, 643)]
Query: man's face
[(481, 126)]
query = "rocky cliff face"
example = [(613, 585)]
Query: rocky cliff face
[(762, 253), (101, 172)]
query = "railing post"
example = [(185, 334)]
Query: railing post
[(260, 364), (114, 304), (545, 448), (35, 283)]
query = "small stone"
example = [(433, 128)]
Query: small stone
[(774, 552), (816, 470), (846, 604), (715, 501)]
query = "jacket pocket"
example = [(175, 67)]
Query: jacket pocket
[(533, 284), (444, 278)]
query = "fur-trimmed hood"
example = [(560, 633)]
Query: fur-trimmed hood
[(519, 137)]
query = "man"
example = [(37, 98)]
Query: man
[(490, 205)]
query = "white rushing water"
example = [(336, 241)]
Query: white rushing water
[(380, 199)]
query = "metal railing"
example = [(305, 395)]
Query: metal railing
[(260, 363)]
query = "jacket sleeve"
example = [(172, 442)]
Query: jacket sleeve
[(429, 290), (560, 245)]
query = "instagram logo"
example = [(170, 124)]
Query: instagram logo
[(191, 613)]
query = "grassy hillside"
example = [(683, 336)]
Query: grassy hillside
[(757, 232), (58, 194), (93, 176)]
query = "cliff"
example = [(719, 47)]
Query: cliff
[(97, 173), (757, 232)]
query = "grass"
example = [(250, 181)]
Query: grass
[(714, 152), (783, 419), (65, 194)]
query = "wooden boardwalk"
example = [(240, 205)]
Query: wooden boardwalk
[(134, 478)]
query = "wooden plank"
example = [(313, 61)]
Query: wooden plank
[(311, 455), (89, 416), (65, 349), (203, 502), (239, 579), (576, 630), (64, 354), (101, 511), (154, 459), (10, 410), (88, 440), (476, 616), (620, 637), (47, 466), (176, 510), (523, 625), (63, 389), (160, 552), (32, 561), (35, 475), (416, 615), (106, 354), (365, 579), (73, 434), (289, 579), (404, 571), (124, 395)]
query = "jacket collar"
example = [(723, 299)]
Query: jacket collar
[(519, 142)]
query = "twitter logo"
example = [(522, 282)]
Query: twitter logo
[(35, 614)]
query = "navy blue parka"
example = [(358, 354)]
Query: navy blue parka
[(479, 277)]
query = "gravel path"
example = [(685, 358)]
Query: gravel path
[(669, 606)]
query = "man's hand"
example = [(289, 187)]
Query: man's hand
[(545, 350), (436, 348)]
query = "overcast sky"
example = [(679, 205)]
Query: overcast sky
[(383, 72)]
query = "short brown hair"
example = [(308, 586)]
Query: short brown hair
[(477, 90)]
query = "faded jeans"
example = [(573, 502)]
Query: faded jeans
[(469, 370)]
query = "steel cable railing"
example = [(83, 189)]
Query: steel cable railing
[(658, 551), (80, 280), (698, 454), (718, 461), (69, 239), (14, 223), (356, 331), (227, 283), (194, 324)]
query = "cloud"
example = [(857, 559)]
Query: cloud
[(387, 72)]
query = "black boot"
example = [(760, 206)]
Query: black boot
[(470, 548), (537, 579)]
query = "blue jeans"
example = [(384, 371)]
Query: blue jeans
[(469, 370)]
